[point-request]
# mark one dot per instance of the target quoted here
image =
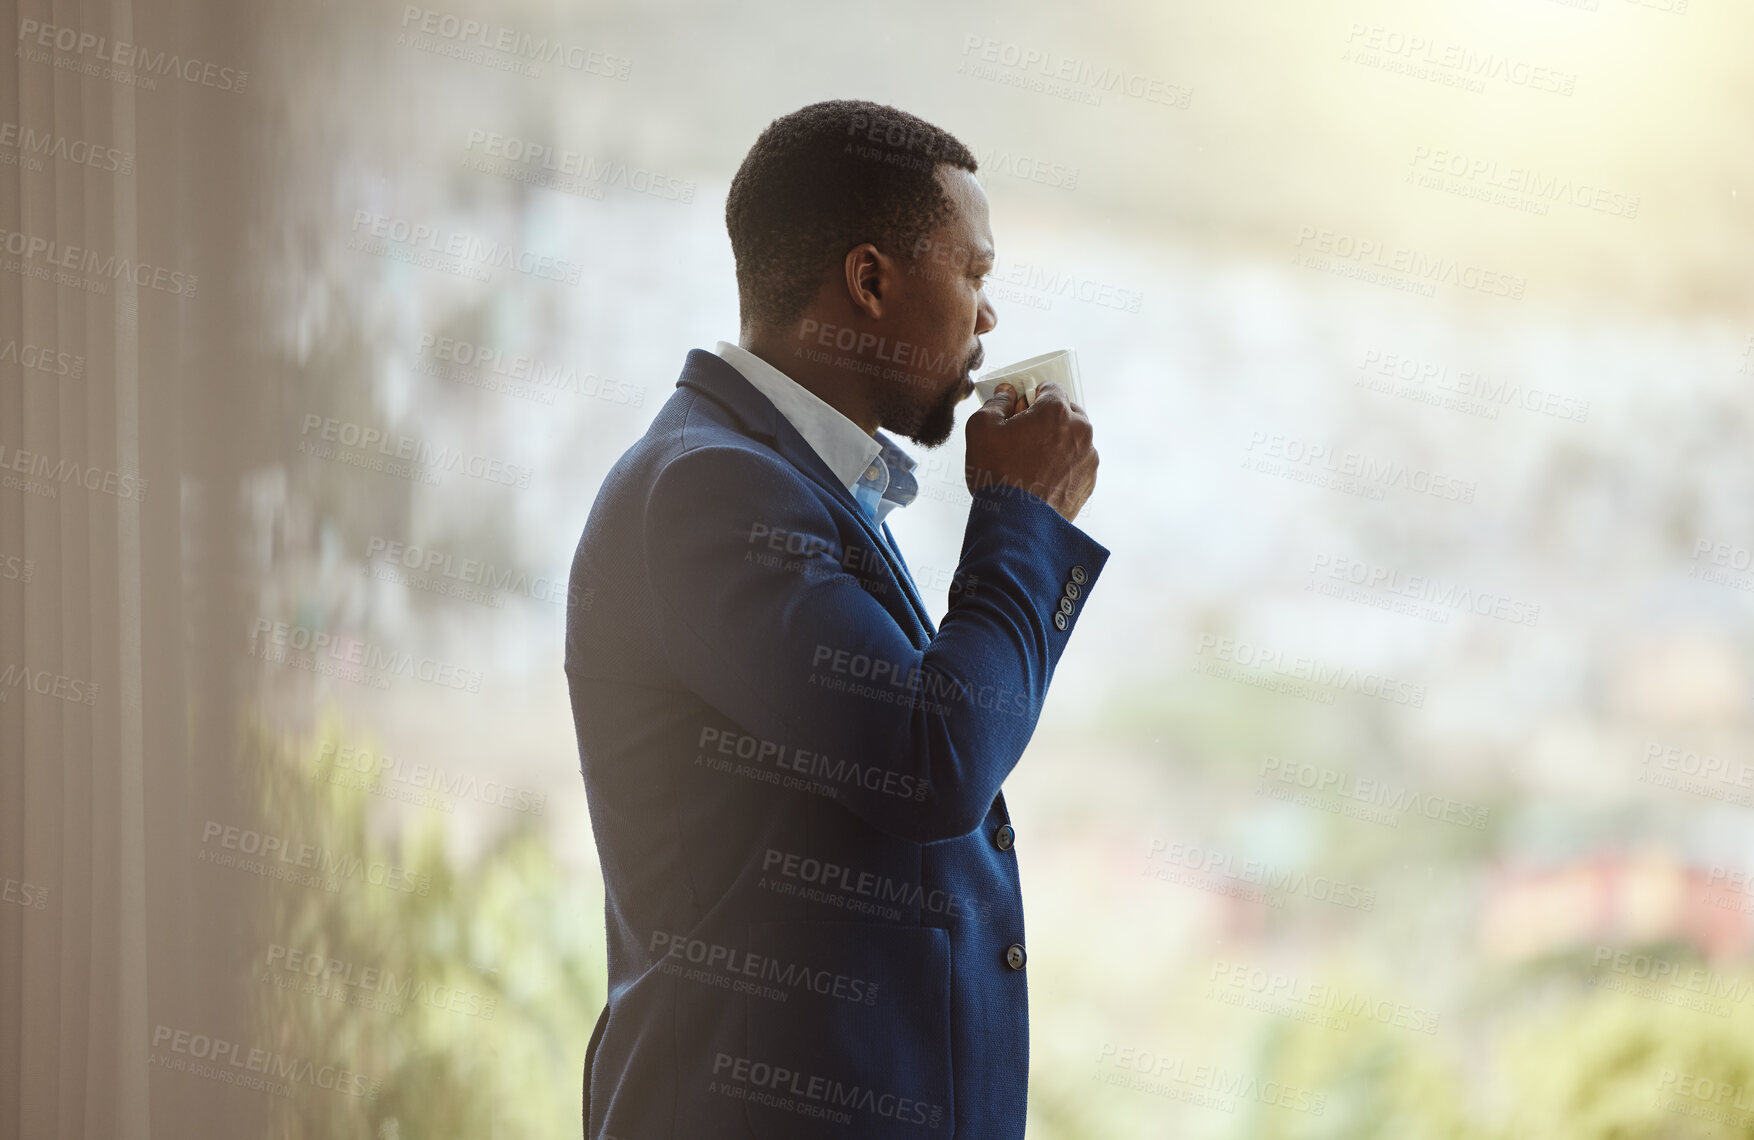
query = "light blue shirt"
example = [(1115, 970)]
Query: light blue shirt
[(877, 472)]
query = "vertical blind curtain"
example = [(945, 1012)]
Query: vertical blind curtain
[(118, 719)]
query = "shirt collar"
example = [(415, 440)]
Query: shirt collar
[(874, 463), (902, 486), (841, 443)]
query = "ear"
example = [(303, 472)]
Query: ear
[(869, 275)]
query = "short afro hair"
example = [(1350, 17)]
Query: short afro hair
[(822, 180)]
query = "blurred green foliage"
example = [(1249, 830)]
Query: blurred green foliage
[(489, 975), (1565, 1060), (521, 941)]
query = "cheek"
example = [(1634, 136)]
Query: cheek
[(961, 304), (947, 313)]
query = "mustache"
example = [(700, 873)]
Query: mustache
[(975, 359)]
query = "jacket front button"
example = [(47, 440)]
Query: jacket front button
[(1004, 837), (1014, 956)]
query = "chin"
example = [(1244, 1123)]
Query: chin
[(937, 425), (931, 424)]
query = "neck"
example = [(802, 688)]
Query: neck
[(847, 393)]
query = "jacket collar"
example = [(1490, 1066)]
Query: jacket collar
[(712, 376), (708, 373)]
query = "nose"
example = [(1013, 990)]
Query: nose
[(986, 318)]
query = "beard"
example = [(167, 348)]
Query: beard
[(929, 425)]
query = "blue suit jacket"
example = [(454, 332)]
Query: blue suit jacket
[(793, 779)]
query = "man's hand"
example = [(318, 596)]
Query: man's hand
[(1044, 449)]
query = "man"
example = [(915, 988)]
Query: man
[(814, 921)]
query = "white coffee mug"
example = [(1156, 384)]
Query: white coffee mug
[(1059, 366)]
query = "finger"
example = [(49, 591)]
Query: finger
[(1000, 401), (1052, 392)]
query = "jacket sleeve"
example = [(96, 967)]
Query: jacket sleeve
[(763, 616)]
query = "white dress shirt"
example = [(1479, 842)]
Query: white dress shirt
[(877, 472)]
